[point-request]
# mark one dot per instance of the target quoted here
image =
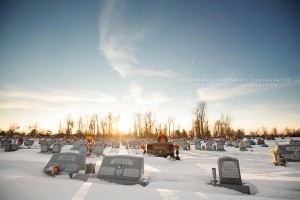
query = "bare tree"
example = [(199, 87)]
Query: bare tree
[(200, 114), (103, 125), (110, 124), (13, 128), (169, 123), (149, 123), (69, 125), (138, 123)]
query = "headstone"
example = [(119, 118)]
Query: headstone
[(220, 145), (75, 145), (209, 145), (123, 169), (83, 149), (297, 142), (5, 143), (163, 149), (28, 142), (12, 147), (198, 145), (291, 152), (248, 144), (69, 163), (98, 148), (115, 144), (44, 148), (230, 175), (56, 148), (242, 146), (229, 171), (236, 143), (260, 141)]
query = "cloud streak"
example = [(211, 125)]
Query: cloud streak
[(139, 96), (118, 47)]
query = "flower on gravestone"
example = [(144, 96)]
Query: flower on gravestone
[(176, 146), (55, 170), (162, 138)]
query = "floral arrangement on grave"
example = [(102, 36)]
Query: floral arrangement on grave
[(90, 143), (55, 170), (162, 138), (176, 146)]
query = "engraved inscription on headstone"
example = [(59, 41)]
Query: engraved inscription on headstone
[(122, 167), (291, 152), (229, 171), (56, 148)]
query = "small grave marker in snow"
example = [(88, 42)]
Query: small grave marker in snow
[(123, 169), (68, 162)]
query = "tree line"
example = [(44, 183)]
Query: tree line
[(145, 125)]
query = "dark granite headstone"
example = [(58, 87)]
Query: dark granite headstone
[(229, 171), (291, 152), (123, 169), (68, 162), (28, 142)]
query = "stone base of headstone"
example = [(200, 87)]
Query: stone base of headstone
[(143, 182), (264, 145), (240, 188), (90, 168), (243, 149)]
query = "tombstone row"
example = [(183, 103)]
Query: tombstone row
[(122, 169)]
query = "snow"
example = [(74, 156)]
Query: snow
[(22, 177)]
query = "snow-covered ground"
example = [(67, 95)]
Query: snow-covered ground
[(22, 177)]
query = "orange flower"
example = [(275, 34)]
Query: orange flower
[(55, 170)]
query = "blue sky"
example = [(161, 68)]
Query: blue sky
[(80, 57)]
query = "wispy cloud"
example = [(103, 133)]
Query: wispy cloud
[(138, 95), (118, 48), (26, 99)]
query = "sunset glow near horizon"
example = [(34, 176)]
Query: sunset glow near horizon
[(78, 58)]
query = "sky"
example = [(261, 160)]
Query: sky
[(61, 57)]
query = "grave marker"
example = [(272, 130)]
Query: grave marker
[(98, 148), (56, 148), (83, 149), (291, 152), (230, 175), (123, 169), (69, 163), (229, 170)]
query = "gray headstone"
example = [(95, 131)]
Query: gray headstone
[(98, 148), (236, 143), (56, 148), (220, 146), (291, 152), (5, 143), (83, 149), (123, 169), (198, 145), (229, 171), (209, 145), (248, 144), (75, 145), (44, 148), (68, 162)]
